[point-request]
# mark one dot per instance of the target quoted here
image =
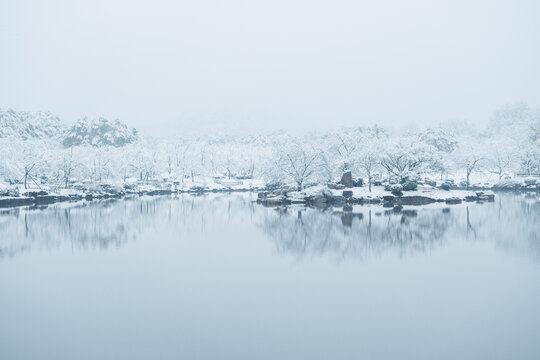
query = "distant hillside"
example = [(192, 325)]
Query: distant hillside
[(101, 132), (44, 125), (27, 125)]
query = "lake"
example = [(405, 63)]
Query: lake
[(220, 277)]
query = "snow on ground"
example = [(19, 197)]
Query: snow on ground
[(213, 184)]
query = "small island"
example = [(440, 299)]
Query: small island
[(349, 192)]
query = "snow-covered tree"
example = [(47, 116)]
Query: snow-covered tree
[(404, 157), (298, 162), (100, 132)]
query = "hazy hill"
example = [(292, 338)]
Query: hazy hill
[(26, 125)]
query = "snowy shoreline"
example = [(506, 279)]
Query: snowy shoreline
[(320, 196), (46, 195)]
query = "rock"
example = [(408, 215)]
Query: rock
[(445, 187), (347, 208), (347, 180), (35, 193), (396, 187), (130, 186), (397, 192), (431, 183), (347, 194), (410, 186), (387, 198), (196, 189), (262, 195), (453, 200), (486, 196), (358, 182), (319, 198)]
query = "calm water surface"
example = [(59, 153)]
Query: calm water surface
[(218, 277)]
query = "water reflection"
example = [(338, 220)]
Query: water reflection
[(309, 232), (112, 223), (511, 222)]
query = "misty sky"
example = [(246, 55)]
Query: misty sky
[(166, 66)]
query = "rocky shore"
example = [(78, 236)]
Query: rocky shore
[(349, 191), (13, 196), (346, 192), (326, 197)]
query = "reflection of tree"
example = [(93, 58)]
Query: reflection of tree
[(82, 225), (470, 228), (310, 232), (313, 232), (511, 222), (112, 223)]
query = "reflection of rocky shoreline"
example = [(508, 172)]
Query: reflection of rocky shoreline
[(310, 232), (365, 231), (82, 226), (108, 223), (511, 223)]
